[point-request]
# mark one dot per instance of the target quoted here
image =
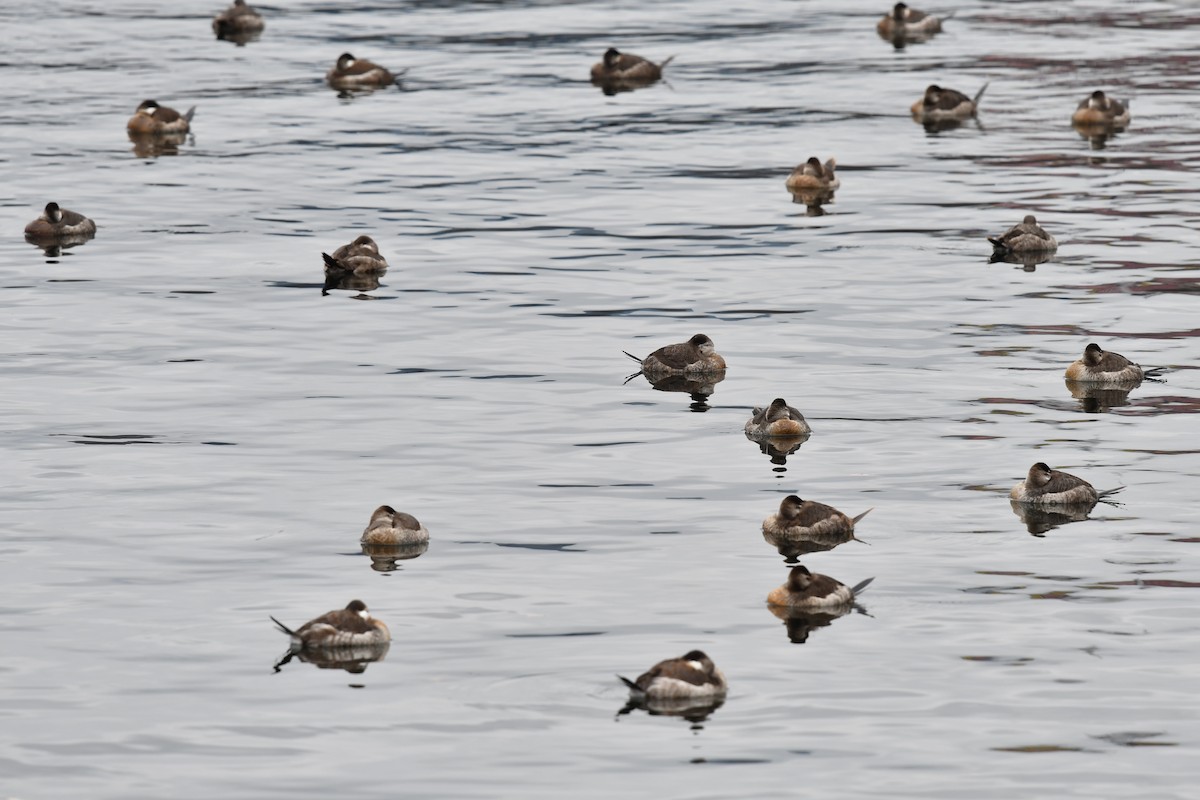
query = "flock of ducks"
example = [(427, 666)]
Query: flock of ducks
[(676, 685)]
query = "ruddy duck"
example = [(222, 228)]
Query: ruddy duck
[(945, 104), (806, 591), (812, 174), (696, 356), (692, 677), (1098, 109), (151, 118), (1101, 366), (805, 519), (618, 67), (351, 626), (354, 73), (1045, 486), (908, 22), (359, 258), (58, 223), (389, 526), (239, 20), (1027, 237), (777, 419)]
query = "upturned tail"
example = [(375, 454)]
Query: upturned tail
[(979, 94), (633, 687), (631, 355), (858, 587), (663, 65), (191, 112), (283, 627), (860, 516)]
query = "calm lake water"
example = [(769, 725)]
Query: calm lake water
[(194, 438)]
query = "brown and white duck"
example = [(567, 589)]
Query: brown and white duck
[(352, 626), (696, 356)]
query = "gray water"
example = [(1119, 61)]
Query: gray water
[(193, 437)]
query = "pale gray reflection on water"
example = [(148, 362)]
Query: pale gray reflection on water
[(193, 435)]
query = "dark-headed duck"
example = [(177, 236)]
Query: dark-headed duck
[(777, 419), (618, 67), (692, 677), (696, 356), (1098, 109), (1102, 366), (798, 518), (812, 592), (812, 174), (358, 73), (907, 22), (945, 104), (351, 626), (59, 223), (1045, 486), (151, 118)]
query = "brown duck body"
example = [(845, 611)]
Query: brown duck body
[(812, 174), (1098, 366), (945, 104), (808, 591), (805, 519), (239, 18), (777, 419), (391, 527), (618, 67), (1097, 109), (1045, 486), (358, 73), (696, 356), (56, 223), (692, 677), (1026, 237), (351, 626), (361, 255), (907, 22), (151, 118)]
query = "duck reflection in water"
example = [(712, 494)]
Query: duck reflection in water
[(1027, 261), (153, 145), (1039, 520), (691, 687), (1097, 399), (348, 638)]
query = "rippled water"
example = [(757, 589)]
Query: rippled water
[(194, 436)]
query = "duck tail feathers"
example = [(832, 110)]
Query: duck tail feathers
[(191, 112), (663, 65), (283, 627), (860, 516), (1103, 495), (979, 94), (633, 687), (861, 585), (631, 355)]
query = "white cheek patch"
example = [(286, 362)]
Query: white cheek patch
[(364, 614), (350, 62), (696, 665)]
